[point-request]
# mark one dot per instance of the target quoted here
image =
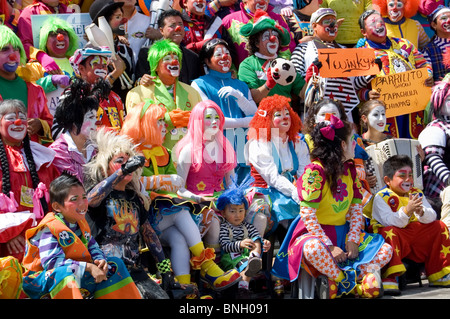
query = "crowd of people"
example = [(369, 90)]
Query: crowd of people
[(195, 151)]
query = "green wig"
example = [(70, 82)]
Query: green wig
[(52, 24), (7, 37), (159, 50)]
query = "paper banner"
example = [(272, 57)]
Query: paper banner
[(78, 21), (338, 63), (403, 92)]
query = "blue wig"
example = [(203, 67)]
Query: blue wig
[(234, 194)]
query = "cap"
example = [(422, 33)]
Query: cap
[(320, 13)]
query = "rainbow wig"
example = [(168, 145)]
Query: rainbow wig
[(7, 37), (235, 194), (411, 7), (141, 124), (52, 24), (159, 50), (261, 124), (194, 137)]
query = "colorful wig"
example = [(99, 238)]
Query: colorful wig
[(7, 37), (141, 124), (261, 124), (440, 92), (52, 24), (235, 194), (159, 50), (411, 7), (194, 137)]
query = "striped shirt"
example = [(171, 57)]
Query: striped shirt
[(230, 236)]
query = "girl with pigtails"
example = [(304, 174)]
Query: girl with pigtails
[(331, 220), (26, 172), (171, 215)]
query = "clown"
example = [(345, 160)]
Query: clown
[(265, 39), (440, 22), (247, 15), (91, 64), (178, 98), (171, 216), (12, 86), (59, 41), (26, 172), (397, 55), (397, 16)]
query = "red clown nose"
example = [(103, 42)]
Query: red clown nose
[(12, 57), (18, 122), (273, 38), (60, 37), (178, 28)]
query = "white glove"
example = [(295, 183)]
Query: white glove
[(244, 104)]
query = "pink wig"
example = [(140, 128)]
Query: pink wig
[(194, 137)]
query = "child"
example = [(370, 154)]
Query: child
[(404, 217), (63, 260), (240, 242), (326, 238)]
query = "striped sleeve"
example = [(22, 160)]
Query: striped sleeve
[(297, 58), (434, 158)]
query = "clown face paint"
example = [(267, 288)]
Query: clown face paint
[(89, 124), (13, 127), (114, 164), (396, 10), (95, 67), (197, 7), (221, 59), (75, 205), (9, 59), (281, 120), (402, 181), (377, 118), (254, 5), (327, 108), (375, 28), (162, 126), (169, 66), (117, 22), (442, 25), (327, 28), (211, 122), (58, 43), (269, 43), (173, 29)]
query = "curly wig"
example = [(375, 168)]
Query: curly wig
[(52, 24), (261, 124), (411, 7)]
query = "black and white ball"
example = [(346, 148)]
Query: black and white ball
[(283, 71)]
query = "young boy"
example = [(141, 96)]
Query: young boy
[(240, 242), (62, 259), (406, 220)]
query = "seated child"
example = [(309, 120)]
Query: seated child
[(240, 242), (63, 260), (406, 220)]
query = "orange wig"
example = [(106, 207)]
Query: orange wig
[(261, 123), (411, 7), (141, 124)]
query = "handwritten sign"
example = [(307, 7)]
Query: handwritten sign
[(338, 63), (403, 92), (78, 21)]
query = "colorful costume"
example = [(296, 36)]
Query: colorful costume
[(329, 218), (406, 235), (55, 264), (399, 55)]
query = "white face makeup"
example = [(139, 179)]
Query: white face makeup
[(377, 118), (89, 126), (211, 122), (327, 108), (172, 64), (100, 66), (443, 23), (14, 126), (221, 59), (270, 39), (261, 5), (396, 10)]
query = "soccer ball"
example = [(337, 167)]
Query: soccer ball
[(283, 71)]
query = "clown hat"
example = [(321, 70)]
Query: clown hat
[(262, 21), (103, 8)]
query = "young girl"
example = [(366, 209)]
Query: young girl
[(118, 210), (331, 219), (373, 122), (277, 157), (76, 116), (26, 172), (171, 216), (205, 160)]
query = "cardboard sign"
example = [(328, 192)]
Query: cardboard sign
[(339, 63), (78, 21), (403, 92)]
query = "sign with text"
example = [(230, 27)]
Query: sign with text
[(403, 92), (78, 21), (339, 63)]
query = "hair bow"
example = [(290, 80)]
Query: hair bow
[(329, 131)]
